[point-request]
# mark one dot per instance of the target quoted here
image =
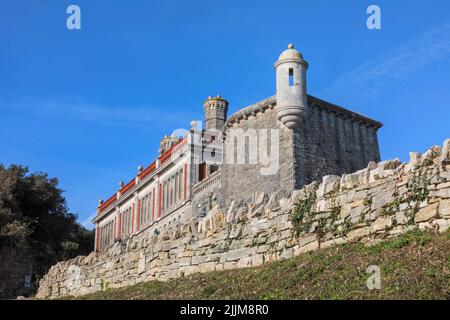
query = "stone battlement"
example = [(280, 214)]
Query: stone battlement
[(383, 200)]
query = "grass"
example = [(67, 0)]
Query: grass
[(415, 265)]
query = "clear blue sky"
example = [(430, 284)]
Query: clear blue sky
[(89, 106)]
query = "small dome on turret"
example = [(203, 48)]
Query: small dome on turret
[(290, 54)]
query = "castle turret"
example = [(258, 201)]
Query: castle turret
[(291, 87), (216, 109), (167, 142)]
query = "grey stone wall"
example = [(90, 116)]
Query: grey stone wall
[(241, 181), (329, 143), (382, 200)]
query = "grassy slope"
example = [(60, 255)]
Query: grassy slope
[(413, 266)]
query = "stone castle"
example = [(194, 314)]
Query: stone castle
[(278, 144), (212, 201)]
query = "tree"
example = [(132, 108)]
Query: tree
[(36, 227)]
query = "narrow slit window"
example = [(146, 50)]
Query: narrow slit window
[(291, 77)]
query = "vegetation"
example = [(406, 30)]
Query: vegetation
[(36, 228), (415, 265)]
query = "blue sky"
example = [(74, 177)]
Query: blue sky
[(88, 106)]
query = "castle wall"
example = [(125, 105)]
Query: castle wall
[(241, 181), (327, 143), (382, 200)]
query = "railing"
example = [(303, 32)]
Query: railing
[(127, 187), (179, 144), (162, 159), (169, 152), (207, 184), (147, 171), (108, 203)]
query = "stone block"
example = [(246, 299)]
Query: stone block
[(307, 248), (307, 240), (445, 156), (442, 225), (328, 185), (427, 213), (357, 234), (257, 260), (444, 208)]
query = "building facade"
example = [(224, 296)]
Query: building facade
[(275, 145)]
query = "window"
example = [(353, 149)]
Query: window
[(180, 174), (291, 77), (202, 171)]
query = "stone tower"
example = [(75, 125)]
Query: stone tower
[(216, 109), (167, 143), (291, 87)]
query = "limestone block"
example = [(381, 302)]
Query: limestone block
[(307, 240), (383, 198), (401, 218), (380, 224), (236, 254), (349, 181), (329, 184), (332, 242), (286, 204), (257, 260), (231, 212), (345, 211), (443, 193), (390, 164), (245, 262), (427, 213), (356, 211), (441, 224), (415, 159), (229, 265), (322, 205), (207, 267), (307, 248), (297, 195), (430, 155), (357, 234), (426, 226), (274, 200), (242, 214), (444, 209), (258, 212), (261, 199), (286, 254), (445, 157)]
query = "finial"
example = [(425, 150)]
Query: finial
[(100, 202), (290, 46), (140, 169), (121, 184)]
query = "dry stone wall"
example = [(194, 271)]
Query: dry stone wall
[(383, 200)]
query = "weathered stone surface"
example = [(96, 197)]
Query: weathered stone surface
[(427, 213), (445, 157), (357, 234), (444, 209), (245, 237)]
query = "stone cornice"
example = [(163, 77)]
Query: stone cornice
[(270, 103)]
